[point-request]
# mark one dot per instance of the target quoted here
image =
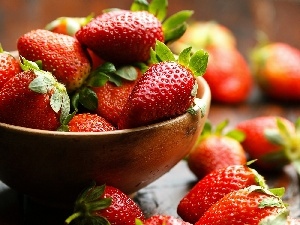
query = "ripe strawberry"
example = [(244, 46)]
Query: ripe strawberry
[(105, 205), (68, 25), (86, 122), (167, 89), (112, 97), (34, 99), (216, 150), (163, 220), (126, 36), (213, 187), (228, 75), (272, 140), (251, 205), (60, 54), (9, 66), (276, 67)]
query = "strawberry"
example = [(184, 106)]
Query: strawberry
[(276, 67), (105, 205), (86, 122), (34, 99), (9, 66), (60, 54), (68, 25), (251, 205), (216, 150), (126, 36), (163, 220), (228, 75), (166, 90), (213, 187), (272, 140)]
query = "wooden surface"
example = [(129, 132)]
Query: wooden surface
[(163, 195)]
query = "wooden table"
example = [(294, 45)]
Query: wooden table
[(162, 196)]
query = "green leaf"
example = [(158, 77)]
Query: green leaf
[(163, 52), (98, 80), (117, 80), (106, 67), (139, 5), (184, 56), (28, 65), (88, 98), (153, 57), (158, 8), (198, 62), (237, 135), (127, 72), (175, 26), (279, 218), (279, 192), (274, 136), (221, 126), (39, 85)]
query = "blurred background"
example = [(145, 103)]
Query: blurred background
[(279, 19)]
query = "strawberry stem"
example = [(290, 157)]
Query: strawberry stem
[(73, 217)]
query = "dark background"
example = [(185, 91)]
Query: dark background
[(278, 18)]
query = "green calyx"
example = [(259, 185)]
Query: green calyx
[(219, 130), (287, 140), (46, 83), (87, 203), (174, 26)]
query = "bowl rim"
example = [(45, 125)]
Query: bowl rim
[(206, 96)]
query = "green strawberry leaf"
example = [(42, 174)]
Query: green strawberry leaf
[(88, 98), (198, 105), (158, 8), (127, 73), (198, 62), (28, 65), (139, 5), (236, 134), (97, 80), (185, 56), (163, 53), (274, 136), (279, 218), (175, 26)]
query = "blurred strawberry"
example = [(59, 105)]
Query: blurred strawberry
[(251, 205), (273, 141), (167, 89), (68, 25), (87, 122), (34, 99), (9, 66), (105, 205), (216, 150), (163, 220), (60, 54), (126, 36), (213, 187), (276, 67)]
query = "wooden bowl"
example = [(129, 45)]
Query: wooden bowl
[(53, 167)]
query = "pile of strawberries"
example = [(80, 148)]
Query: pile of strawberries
[(114, 71)]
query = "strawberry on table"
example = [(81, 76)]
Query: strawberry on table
[(216, 149), (126, 36), (34, 99), (251, 205), (60, 54), (105, 205), (87, 122), (274, 141), (213, 187), (276, 67), (9, 66), (167, 89)]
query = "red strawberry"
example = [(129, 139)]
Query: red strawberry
[(60, 54), (126, 36), (164, 220), (68, 25), (166, 90), (216, 150), (86, 122), (33, 99), (105, 205), (112, 98), (276, 67), (270, 139), (213, 187), (251, 205), (228, 75), (9, 66)]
